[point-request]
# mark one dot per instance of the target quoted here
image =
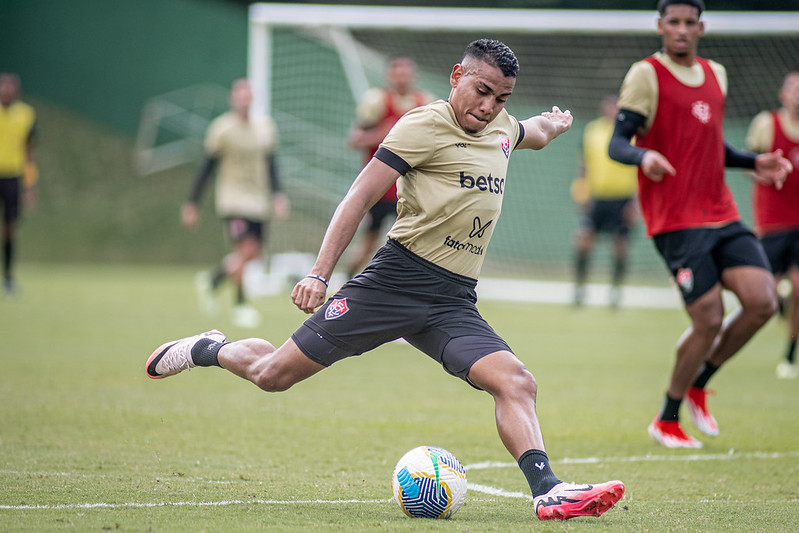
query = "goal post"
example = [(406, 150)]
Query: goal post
[(309, 64)]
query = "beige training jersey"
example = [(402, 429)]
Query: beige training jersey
[(452, 185), (760, 136), (241, 149), (639, 90)]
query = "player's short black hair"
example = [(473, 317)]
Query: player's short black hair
[(663, 4), (494, 53)]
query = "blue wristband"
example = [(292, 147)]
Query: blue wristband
[(320, 278)]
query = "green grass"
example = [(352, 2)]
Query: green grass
[(88, 443)]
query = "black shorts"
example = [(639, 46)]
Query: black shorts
[(378, 213), (9, 198), (238, 228), (397, 295), (607, 216), (782, 250), (696, 257)]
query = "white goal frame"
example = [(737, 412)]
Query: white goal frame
[(263, 17)]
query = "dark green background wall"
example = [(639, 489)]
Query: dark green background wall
[(104, 58)]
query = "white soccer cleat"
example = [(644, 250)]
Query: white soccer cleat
[(245, 316), (696, 399), (786, 370), (567, 500), (175, 356)]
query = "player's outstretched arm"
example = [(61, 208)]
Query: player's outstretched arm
[(540, 130), (772, 168), (370, 185)]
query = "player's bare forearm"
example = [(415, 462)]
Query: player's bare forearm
[(373, 181), (540, 130)]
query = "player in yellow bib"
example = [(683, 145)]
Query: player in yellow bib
[(449, 160), (18, 172), (605, 191)]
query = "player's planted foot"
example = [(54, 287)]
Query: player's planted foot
[(696, 399), (786, 370), (567, 500), (175, 356), (670, 434)]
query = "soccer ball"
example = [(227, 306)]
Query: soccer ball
[(429, 482)]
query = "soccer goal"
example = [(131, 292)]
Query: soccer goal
[(310, 63)]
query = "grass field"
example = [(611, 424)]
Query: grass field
[(88, 443)]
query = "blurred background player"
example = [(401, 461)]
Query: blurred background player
[(247, 196), (379, 109), (17, 167), (673, 102), (605, 192), (776, 211)]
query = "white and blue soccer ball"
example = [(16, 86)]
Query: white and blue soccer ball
[(429, 482)]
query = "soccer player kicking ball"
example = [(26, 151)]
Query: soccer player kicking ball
[(674, 102), (449, 160)]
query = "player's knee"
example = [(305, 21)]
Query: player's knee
[(708, 325), (521, 382), (763, 308)]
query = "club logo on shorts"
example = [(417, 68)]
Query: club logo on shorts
[(701, 110), (505, 142), (336, 309), (685, 279)]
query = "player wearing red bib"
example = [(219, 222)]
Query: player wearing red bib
[(673, 101), (777, 210)]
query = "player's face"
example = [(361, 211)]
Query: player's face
[(789, 94), (680, 29), (241, 97), (401, 75), (8, 90), (479, 92)]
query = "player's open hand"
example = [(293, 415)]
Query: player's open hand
[(190, 216), (655, 166), (772, 169), (562, 120), (309, 294)]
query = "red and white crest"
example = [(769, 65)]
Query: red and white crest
[(685, 279), (505, 142), (701, 110), (336, 309)]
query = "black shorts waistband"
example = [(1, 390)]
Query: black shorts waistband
[(432, 267)]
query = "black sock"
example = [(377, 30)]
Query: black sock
[(790, 355), (670, 409), (581, 268), (707, 370), (240, 299), (205, 352), (619, 269), (8, 254), (535, 467), (217, 277)]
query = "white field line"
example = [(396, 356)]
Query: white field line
[(492, 491)]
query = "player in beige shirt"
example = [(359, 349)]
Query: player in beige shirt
[(450, 161), (247, 195)]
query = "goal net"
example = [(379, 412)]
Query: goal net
[(310, 64)]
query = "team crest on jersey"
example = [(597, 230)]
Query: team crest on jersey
[(505, 142), (336, 309), (701, 110), (685, 279)]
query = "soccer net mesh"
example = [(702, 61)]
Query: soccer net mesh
[(310, 64)]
